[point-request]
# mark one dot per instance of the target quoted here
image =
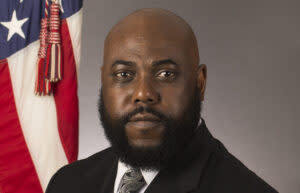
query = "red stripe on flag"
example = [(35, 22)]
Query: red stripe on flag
[(17, 171), (66, 100)]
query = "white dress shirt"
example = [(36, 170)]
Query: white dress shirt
[(122, 168)]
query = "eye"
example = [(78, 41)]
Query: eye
[(166, 75), (123, 75)]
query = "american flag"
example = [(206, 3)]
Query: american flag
[(38, 134)]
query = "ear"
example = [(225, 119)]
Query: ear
[(101, 73), (201, 80)]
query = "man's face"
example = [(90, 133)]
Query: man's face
[(150, 101)]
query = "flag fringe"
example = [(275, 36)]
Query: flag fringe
[(53, 66), (42, 86), (49, 64)]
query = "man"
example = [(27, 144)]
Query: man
[(150, 104)]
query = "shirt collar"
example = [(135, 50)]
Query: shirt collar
[(199, 123), (148, 175)]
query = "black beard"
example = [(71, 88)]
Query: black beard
[(177, 133)]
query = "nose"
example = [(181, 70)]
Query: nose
[(145, 93)]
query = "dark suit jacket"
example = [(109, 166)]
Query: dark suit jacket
[(205, 167)]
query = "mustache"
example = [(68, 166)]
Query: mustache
[(127, 116)]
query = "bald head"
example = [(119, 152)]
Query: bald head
[(154, 28)]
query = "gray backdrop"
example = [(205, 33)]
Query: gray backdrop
[(251, 48)]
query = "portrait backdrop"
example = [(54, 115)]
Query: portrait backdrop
[(252, 51)]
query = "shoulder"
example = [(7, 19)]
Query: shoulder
[(85, 165), (75, 175), (229, 174)]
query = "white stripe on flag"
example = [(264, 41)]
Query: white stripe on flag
[(37, 115), (74, 24)]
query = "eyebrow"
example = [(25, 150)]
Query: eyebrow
[(162, 62), (123, 62), (155, 63)]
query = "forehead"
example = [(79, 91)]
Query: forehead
[(146, 46)]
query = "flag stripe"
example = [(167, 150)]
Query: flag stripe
[(65, 95), (37, 115), (17, 171), (74, 26)]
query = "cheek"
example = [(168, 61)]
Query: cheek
[(177, 97), (114, 101), (174, 100)]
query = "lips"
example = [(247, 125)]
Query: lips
[(144, 121), (143, 124), (144, 130), (144, 118)]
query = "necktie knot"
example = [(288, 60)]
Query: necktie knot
[(131, 182)]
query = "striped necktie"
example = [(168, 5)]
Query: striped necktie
[(131, 182)]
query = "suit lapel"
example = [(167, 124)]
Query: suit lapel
[(185, 175), (101, 177), (109, 180)]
